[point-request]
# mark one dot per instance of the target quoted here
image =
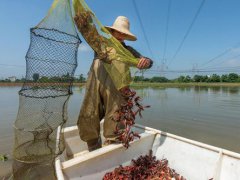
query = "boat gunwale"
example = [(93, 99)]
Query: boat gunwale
[(193, 142), (112, 147)]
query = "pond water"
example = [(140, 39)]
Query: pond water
[(207, 114)]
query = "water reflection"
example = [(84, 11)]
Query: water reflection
[(79, 89), (230, 90), (216, 89), (143, 93), (201, 89), (149, 93), (184, 89), (234, 90), (213, 89)]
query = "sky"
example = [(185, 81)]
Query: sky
[(212, 43)]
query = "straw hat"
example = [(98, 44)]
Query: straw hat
[(122, 25)]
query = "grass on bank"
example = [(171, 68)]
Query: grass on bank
[(177, 84)]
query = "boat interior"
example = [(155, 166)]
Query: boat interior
[(191, 159)]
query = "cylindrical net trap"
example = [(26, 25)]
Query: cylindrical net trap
[(51, 61)]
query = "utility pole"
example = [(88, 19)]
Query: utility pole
[(194, 69), (162, 67)]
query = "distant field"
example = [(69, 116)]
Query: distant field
[(36, 84), (147, 84)]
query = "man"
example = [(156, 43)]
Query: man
[(102, 99)]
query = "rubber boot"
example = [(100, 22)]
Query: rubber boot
[(94, 144)]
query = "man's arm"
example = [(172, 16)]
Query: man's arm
[(144, 62)]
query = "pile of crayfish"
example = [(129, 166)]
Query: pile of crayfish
[(145, 167), (125, 116)]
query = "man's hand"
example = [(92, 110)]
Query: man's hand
[(144, 63)]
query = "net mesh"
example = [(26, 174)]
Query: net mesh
[(51, 61), (118, 59)]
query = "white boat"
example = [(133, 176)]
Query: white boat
[(191, 159)]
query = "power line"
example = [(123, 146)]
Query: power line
[(142, 27), (206, 71), (220, 68), (220, 55), (188, 31), (217, 69), (166, 34), (221, 62)]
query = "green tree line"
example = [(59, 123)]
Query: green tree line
[(44, 79), (231, 77)]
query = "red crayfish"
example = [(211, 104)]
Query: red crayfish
[(125, 116), (145, 167)]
